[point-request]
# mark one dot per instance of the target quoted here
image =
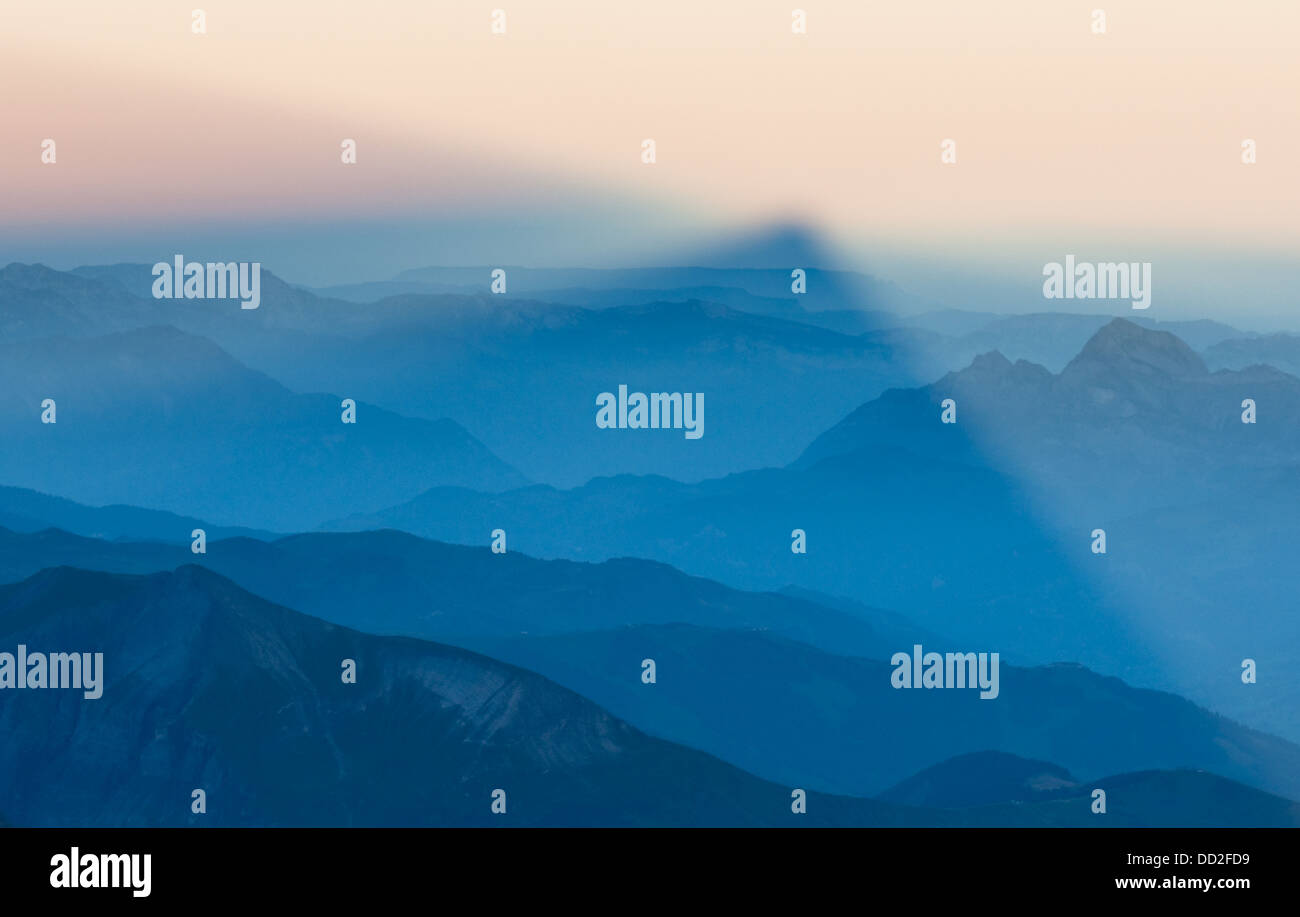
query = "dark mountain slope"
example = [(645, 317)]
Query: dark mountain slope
[(1173, 799), (726, 675), (391, 582), (781, 709), (983, 778), (209, 687)]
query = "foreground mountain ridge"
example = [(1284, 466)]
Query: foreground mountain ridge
[(208, 688)]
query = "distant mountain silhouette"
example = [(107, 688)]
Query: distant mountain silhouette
[(23, 510), (523, 374), (37, 301), (1281, 351), (155, 417), (981, 530), (526, 383), (943, 542), (1175, 799), (982, 778), (1051, 339), (283, 305), (977, 534), (1130, 391), (890, 624), (1137, 436), (524, 377), (391, 582), (521, 370)]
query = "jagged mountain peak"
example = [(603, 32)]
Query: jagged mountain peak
[(992, 369), (1122, 344), (993, 361)]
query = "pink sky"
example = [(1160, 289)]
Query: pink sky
[(1129, 135)]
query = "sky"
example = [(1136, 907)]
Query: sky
[(525, 147)]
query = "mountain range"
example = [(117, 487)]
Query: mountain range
[(983, 529), (1098, 514), (207, 687), (732, 665), (521, 370), (210, 688), (24, 510), (159, 418)]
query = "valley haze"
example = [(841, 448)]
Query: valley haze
[(404, 476)]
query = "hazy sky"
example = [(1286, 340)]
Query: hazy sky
[(525, 147)]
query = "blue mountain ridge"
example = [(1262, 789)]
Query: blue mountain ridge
[(212, 688), (780, 686), (978, 531), (155, 417), (981, 530)]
